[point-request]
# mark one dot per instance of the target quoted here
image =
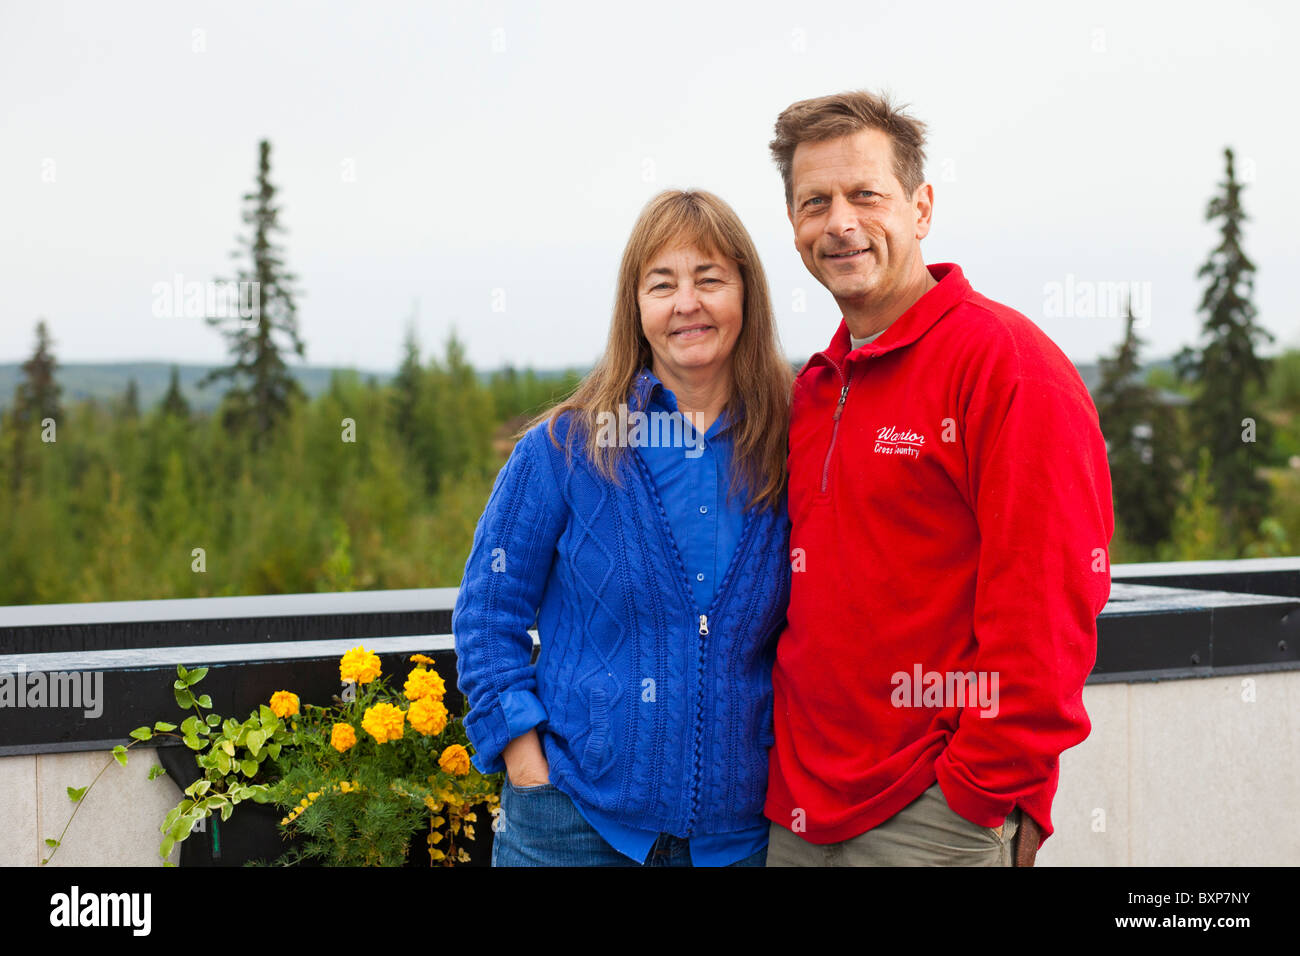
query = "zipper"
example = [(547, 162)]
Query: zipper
[(844, 393), (747, 533)]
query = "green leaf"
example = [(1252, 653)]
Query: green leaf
[(172, 815), (119, 754), (142, 733), (213, 719), (194, 743), (249, 767), (184, 698), (228, 746), (189, 726), (226, 810), (156, 771), (196, 675), (167, 843), (273, 750), (265, 714), (223, 761), (255, 740), (162, 726), (76, 793), (205, 701), (181, 671), (51, 843)]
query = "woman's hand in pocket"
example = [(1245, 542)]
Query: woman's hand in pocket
[(526, 764)]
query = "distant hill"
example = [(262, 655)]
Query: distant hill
[(107, 381)]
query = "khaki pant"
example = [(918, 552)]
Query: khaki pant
[(927, 832)]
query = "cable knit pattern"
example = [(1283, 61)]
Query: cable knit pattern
[(640, 715)]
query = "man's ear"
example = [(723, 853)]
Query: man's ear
[(923, 203), (789, 215)]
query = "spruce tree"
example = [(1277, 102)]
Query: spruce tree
[(174, 403), (36, 398), (262, 387), (1227, 370), (131, 399), (37, 394), (1140, 443)]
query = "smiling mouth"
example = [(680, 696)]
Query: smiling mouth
[(692, 331), (849, 254)]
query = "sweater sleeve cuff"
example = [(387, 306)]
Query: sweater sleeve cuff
[(516, 713), (980, 808)]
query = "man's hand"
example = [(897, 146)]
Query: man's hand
[(1028, 836), (526, 765)]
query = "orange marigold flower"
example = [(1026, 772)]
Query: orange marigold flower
[(421, 659), (284, 704), (421, 683), (384, 722), (428, 716), (455, 760), (359, 666), (343, 737)]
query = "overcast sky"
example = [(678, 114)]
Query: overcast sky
[(439, 152)]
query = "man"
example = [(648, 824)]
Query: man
[(950, 510)]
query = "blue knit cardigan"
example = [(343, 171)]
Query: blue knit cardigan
[(649, 708)]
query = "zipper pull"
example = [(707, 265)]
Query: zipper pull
[(844, 393), (704, 625)]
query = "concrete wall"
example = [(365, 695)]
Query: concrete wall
[(1187, 772), (117, 824)]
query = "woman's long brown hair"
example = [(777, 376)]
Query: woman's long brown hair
[(759, 406)]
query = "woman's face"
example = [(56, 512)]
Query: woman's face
[(692, 308)]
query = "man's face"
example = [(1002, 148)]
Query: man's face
[(854, 226), (692, 308)]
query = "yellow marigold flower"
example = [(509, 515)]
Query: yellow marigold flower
[(359, 665), (422, 683), (384, 722), (421, 659), (428, 716), (455, 760), (284, 704), (343, 737)]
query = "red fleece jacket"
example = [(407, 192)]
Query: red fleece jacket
[(950, 510)]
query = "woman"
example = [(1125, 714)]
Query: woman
[(643, 522)]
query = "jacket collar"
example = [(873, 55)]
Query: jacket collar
[(909, 326), (646, 386)]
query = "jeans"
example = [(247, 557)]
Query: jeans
[(540, 826)]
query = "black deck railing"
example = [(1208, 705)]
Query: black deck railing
[(1192, 619)]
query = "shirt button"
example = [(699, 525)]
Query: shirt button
[(699, 577), (704, 509)]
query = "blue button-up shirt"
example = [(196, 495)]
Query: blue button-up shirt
[(692, 482)]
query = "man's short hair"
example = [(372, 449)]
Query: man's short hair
[(843, 114)]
